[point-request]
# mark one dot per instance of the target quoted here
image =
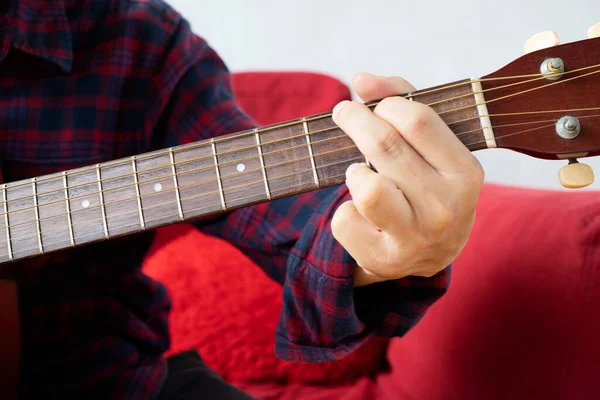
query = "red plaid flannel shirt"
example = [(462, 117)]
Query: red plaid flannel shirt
[(83, 82)]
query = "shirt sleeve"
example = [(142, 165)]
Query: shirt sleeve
[(324, 317)]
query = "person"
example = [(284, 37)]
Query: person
[(84, 82)]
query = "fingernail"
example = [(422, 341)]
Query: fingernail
[(353, 167), (338, 108)]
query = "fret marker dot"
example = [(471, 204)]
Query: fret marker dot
[(157, 187), (85, 203), (241, 167)]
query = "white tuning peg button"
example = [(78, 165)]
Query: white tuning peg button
[(575, 175), (541, 40), (594, 31)]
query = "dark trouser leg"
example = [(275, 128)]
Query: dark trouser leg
[(189, 378)]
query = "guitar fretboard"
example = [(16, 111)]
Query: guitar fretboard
[(89, 204)]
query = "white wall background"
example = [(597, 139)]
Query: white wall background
[(428, 42)]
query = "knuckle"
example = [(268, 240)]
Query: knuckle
[(442, 219), (370, 193), (389, 142), (419, 119)]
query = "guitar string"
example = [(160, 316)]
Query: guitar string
[(520, 113), (202, 169), (67, 241), (212, 167), (326, 115), (215, 206), (33, 235), (170, 176), (121, 214), (525, 91), (553, 120), (542, 77), (92, 169)]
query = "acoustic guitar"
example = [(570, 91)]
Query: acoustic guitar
[(545, 104)]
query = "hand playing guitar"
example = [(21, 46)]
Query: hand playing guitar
[(414, 215)]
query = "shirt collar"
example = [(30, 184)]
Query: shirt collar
[(41, 28)]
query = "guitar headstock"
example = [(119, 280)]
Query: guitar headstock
[(547, 103)]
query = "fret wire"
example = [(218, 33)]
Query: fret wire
[(37, 215), (176, 183), (204, 181), (327, 115), (410, 96), (214, 150), (211, 206), (310, 152), (6, 223), (137, 192), (189, 161), (101, 194), (188, 171), (262, 165), (65, 184)]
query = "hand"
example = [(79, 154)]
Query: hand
[(414, 215)]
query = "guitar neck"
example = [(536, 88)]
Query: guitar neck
[(75, 207)]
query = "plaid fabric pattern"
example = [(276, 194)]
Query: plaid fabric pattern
[(83, 82)]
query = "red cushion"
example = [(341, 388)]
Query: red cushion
[(520, 320), (276, 97), (223, 305)]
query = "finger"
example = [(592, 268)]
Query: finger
[(357, 235), (378, 199), (426, 133), (384, 147), (371, 87), (541, 40)]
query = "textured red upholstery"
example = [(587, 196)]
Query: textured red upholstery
[(223, 304), (520, 320)]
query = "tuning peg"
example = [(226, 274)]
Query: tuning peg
[(575, 175), (541, 40), (594, 31)]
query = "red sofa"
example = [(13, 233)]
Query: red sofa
[(520, 320)]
